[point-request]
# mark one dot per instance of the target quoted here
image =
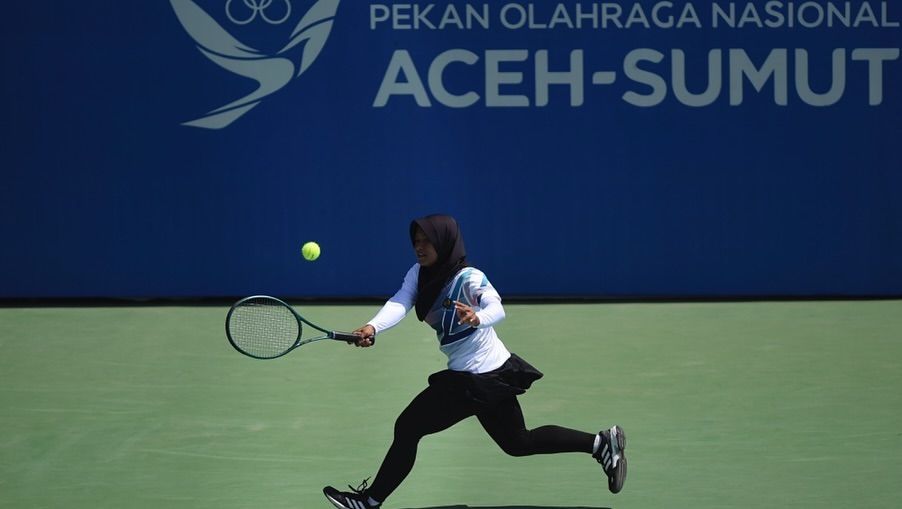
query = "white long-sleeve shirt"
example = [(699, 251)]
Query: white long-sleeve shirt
[(473, 349)]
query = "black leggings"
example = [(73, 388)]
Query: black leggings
[(433, 411)]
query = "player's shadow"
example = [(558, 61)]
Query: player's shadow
[(507, 507)]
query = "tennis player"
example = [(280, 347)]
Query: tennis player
[(483, 378)]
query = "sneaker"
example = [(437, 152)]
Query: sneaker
[(612, 457), (355, 499)]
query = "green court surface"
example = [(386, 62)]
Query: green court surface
[(770, 404)]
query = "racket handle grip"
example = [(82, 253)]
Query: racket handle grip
[(348, 337)]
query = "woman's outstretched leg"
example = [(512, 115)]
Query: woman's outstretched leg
[(430, 412)]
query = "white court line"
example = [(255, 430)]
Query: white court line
[(218, 456)]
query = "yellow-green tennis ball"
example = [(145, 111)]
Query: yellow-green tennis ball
[(310, 251)]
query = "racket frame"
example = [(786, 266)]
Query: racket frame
[(347, 337)]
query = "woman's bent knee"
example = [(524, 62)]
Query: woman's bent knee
[(518, 445)]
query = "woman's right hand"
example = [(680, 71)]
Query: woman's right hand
[(367, 335)]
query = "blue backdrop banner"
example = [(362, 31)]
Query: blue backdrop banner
[(188, 148)]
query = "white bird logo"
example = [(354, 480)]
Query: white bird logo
[(271, 72)]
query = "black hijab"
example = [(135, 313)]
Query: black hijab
[(444, 234)]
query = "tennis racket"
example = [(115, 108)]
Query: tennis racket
[(265, 327)]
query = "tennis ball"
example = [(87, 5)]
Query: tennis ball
[(310, 250)]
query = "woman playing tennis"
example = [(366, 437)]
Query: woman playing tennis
[(483, 378)]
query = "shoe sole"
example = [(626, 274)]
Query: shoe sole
[(615, 481), (333, 502)]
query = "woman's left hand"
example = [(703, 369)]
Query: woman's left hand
[(466, 315)]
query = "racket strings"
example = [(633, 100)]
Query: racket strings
[(263, 328)]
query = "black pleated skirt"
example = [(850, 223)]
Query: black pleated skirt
[(513, 378)]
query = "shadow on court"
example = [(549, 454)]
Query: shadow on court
[(507, 507)]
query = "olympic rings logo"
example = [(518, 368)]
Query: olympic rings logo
[(253, 8)]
